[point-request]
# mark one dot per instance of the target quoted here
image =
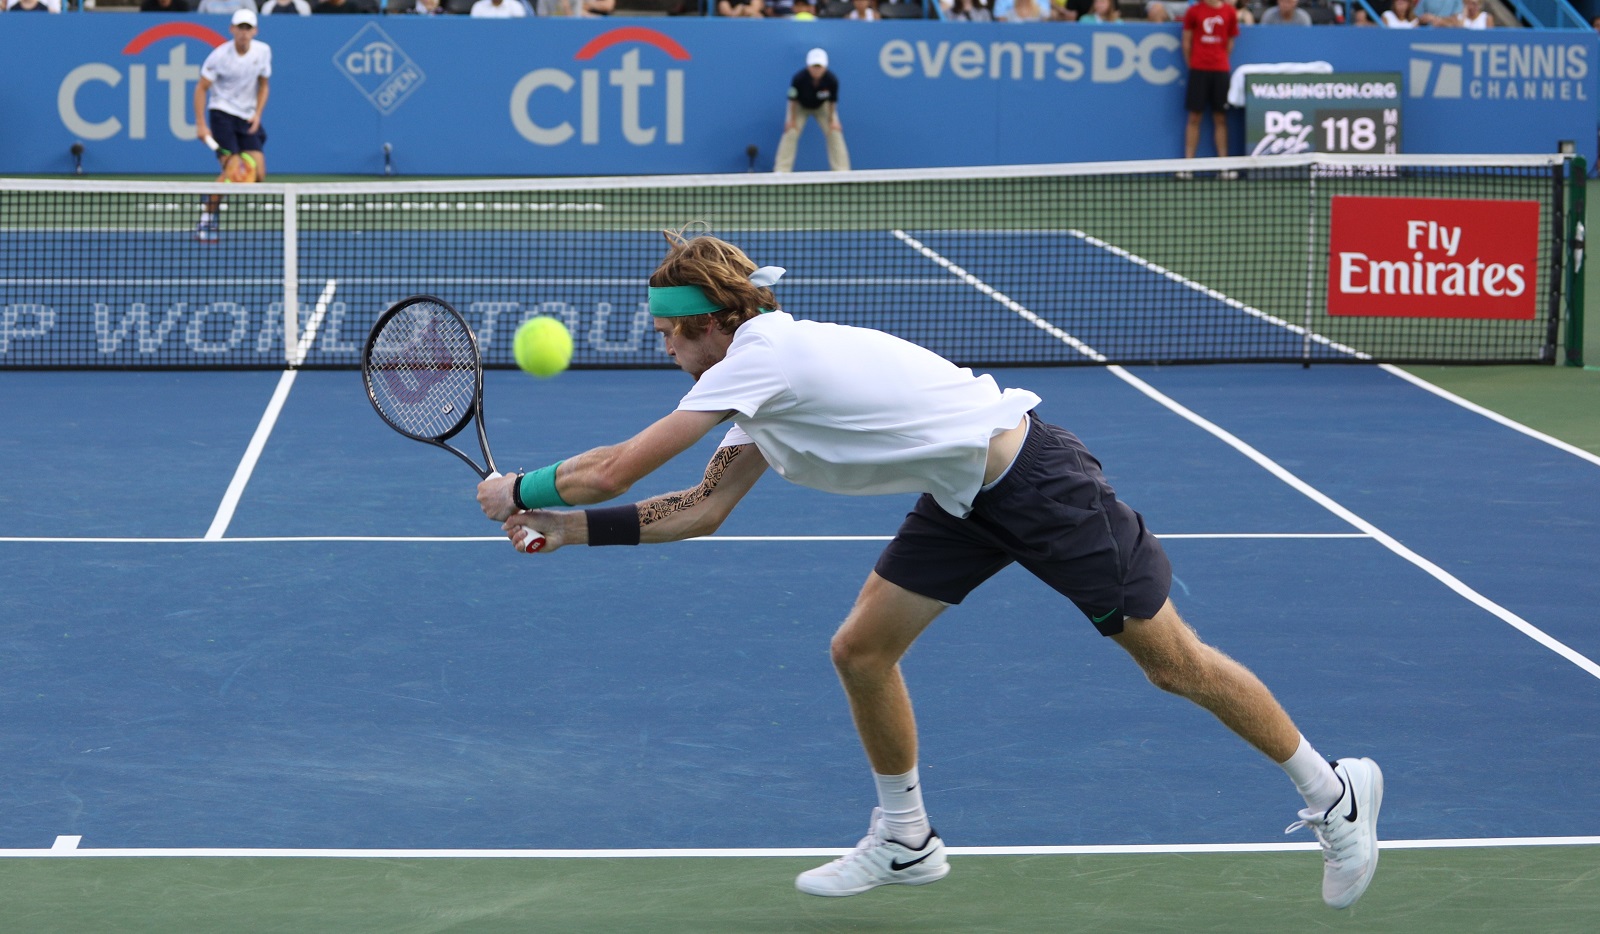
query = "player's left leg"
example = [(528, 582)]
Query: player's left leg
[(260, 159), (1342, 798), (1219, 133), (900, 846)]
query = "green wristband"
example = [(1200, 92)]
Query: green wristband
[(537, 490)]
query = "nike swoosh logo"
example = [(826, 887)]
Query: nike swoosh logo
[(1351, 817), (1101, 619), (897, 866)]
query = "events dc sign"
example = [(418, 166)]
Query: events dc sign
[(452, 95)]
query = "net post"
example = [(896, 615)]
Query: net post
[(1577, 182), (291, 279)]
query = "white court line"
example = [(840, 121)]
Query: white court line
[(320, 312), (705, 539), (1218, 296), (1490, 414), (269, 418), (1155, 849), (1277, 470)]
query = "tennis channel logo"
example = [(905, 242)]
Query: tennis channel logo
[(1513, 71), (379, 68)]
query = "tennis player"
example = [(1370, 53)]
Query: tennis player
[(228, 101), (857, 411)]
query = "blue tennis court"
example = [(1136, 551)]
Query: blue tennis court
[(354, 659)]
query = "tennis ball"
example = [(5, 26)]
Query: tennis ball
[(543, 346), (239, 169)]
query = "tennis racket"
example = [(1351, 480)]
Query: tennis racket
[(424, 377)]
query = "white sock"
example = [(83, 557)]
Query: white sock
[(207, 217), (1314, 777), (904, 818)]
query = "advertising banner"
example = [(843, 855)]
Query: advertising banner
[(1290, 113), (1433, 258), (452, 95)]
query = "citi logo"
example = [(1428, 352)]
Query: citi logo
[(541, 101), (177, 73), (379, 68), (1444, 72)]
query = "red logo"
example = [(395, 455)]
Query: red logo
[(1433, 258), (623, 34), (155, 34)]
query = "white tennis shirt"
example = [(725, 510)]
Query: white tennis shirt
[(856, 411), (233, 77)]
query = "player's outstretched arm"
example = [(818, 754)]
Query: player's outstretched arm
[(669, 517), (603, 473)]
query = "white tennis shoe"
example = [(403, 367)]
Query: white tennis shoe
[(877, 861), (1348, 832)]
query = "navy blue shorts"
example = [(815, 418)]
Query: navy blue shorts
[(1054, 514), (229, 132)]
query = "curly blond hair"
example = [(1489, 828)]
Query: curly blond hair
[(722, 271)]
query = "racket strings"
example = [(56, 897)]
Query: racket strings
[(423, 370)]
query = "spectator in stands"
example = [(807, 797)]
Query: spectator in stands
[(498, 9), (753, 9), (298, 7), (163, 6), (1359, 17), (228, 7), (1209, 30), (813, 93), (1246, 16), (1439, 12), (969, 11), (1595, 23), (1069, 11), (338, 6), (1286, 13), (863, 10), (1102, 11), (1474, 16), (34, 6), (1020, 11), (578, 8), (1402, 14), (804, 11), (1156, 12)]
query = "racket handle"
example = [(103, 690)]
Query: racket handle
[(211, 143), (528, 541)]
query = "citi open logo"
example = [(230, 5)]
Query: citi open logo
[(541, 102), (382, 70)]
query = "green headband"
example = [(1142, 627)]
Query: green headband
[(681, 301)]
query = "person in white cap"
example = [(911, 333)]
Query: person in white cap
[(228, 102), (814, 93)]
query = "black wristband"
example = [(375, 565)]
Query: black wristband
[(614, 525), (516, 494)]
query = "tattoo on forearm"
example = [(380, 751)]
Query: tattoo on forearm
[(660, 507)]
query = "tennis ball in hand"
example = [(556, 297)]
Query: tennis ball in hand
[(543, 346)]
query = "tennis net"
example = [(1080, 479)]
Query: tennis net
[(1301, 258)]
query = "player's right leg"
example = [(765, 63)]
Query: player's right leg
[(1343, 797)]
